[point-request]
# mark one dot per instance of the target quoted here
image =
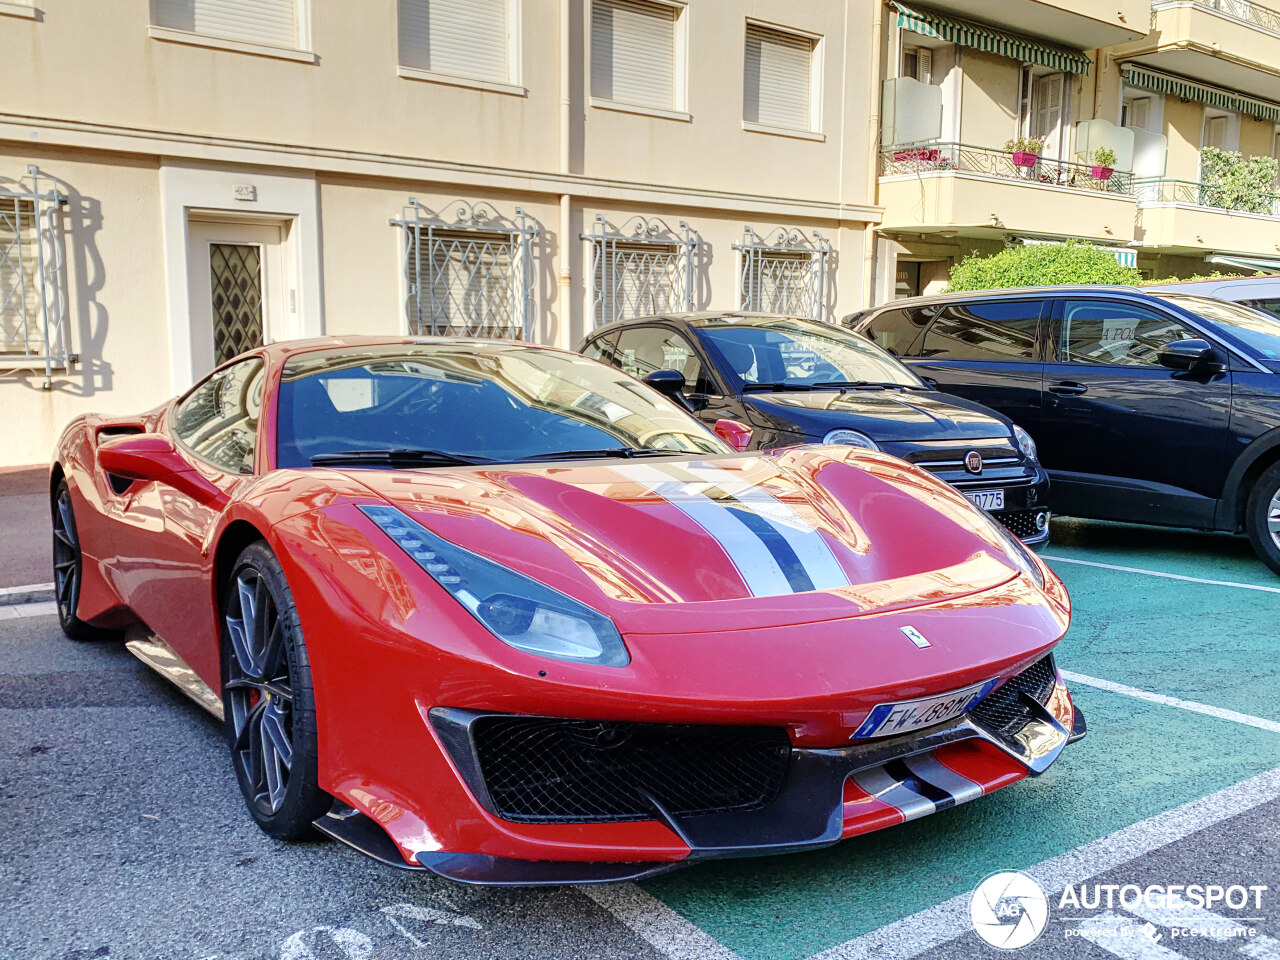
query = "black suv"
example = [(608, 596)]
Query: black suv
[(797, 381), (1150, 407)]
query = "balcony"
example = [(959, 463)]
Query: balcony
[(1086, 24), (960, 189), (1184, 216), (1233, 44)]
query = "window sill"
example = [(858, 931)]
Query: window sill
[(815, 135), (235, 46), (474, 83), (642, 110), (24, 10)]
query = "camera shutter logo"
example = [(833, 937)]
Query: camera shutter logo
[(1009, 910)]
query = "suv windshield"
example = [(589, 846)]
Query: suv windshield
[(1254, 327), (432, 404), (802, 353)]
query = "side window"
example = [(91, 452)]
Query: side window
[(897, 331), (219, 418), (642, 350), (998, 330), (1115, 332), (601, 348), (1270, 305)]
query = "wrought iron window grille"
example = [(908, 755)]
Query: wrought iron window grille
[(33, 292), (471, 275), (784, 271), (640, 268)]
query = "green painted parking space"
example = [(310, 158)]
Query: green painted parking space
[(1212, 644)]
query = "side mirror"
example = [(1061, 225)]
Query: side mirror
[(151, 457), (1186, 354), (735, 434), (669, 383)]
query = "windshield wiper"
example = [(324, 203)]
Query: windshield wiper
[(748, 387), (860, 385), (398, 457), (598, 454)]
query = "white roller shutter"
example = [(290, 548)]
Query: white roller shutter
[(465, 38), (778, 75), (633, 52), (273, 22)]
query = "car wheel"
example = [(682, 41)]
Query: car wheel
[(68, 567), (1262, 517), (267, 698)]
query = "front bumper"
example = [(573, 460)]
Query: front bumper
[(828, 794)]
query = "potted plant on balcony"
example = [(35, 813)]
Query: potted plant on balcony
[(1025, 151), (1104, 163)]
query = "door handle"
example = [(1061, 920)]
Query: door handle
[(1068, 388)]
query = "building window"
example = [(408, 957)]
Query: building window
[(459, 38), (1135, 113), (786, 273), (1215, 131), (637, 53), (917, 63), (641, 268), (1042, 105), (33, 301), (469, 275), (780, 80), (273, 23)]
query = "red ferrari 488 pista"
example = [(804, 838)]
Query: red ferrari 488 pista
[(506, 614)]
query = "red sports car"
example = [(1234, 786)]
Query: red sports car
[(506, 614)]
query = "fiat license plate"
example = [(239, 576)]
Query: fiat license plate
[(887, 719), (986, 499)]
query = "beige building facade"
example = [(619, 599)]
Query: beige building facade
[(181, 178)]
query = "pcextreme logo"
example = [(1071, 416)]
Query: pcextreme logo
[(1009, 910)]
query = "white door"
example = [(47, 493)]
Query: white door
[(238, 288), (1047, 112)]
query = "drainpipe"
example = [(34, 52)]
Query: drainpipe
[(564, 291), (870, 234)]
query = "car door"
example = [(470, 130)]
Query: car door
[(1125, 438), (215, 426), (643, 349), (989, 351)]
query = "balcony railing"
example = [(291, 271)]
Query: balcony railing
[(1246, 11), (923, 158), (1206, 195)]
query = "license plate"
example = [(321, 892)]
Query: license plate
[(888, 719), (986, 499)]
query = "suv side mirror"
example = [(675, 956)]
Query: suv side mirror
[(151, 457), (669, 383), (1187, 355)]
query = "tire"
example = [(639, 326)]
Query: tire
[(268, 700), (68, 569), (1262, 517)]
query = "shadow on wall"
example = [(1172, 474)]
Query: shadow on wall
[(80, 281), (704, 255), (545, 250)]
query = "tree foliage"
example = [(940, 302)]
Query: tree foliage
[(1041, 265), (1234, 181)]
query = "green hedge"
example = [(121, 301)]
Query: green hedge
[(1041, 265)]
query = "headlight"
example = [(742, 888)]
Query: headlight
[(1025, 443), (1018, 552), (520, 612), (851, 438)]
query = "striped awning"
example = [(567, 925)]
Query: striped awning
[(979, 36), (1167, 83)]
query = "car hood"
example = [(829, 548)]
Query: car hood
[(883, 414), (810, 533)]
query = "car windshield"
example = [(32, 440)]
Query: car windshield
[(437, 403), (1256, 328), (802, 353)]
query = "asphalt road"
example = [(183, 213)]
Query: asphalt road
[(124, 835)]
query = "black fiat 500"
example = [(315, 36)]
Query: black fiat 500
[(798, 381)]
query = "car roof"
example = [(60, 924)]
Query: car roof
[(282, 350), (1089, 289), (1245, 286), (694, 318)]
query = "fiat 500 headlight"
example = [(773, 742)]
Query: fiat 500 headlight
[(1025, 443), (851, 438), (519, 611)]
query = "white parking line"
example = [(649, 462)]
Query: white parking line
[(1204, 708), (14, 610), (1161, 573), (657, 924), (920, 932)]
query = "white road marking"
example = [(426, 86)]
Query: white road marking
[(1111, 686), (13, 611), (1177, 912), (411, 911), (944, 922), (1123, 937), (6, 592), (656, 923), (1161, 573)]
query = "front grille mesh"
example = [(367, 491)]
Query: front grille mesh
[(1021, 523), (1002, 710), (547, 770)]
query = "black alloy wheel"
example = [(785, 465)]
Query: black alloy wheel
[(68, 569), (267, 698)]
